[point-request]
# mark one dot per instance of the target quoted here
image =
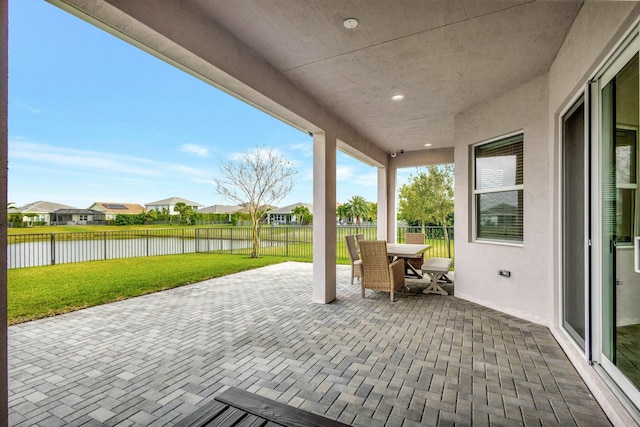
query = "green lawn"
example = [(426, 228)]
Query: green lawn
[(38, 292), (46, 291)]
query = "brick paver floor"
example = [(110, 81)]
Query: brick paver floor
[(423, 360)]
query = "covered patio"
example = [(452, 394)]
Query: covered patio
[(423, 360), (541, 90)]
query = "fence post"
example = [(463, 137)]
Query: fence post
[(105, 245), (197, 230), (286, 245), (231, 240), (183, 241), (53, 249), (147, 242)]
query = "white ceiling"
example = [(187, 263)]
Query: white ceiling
[(444, 56)]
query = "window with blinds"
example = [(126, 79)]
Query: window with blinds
[(499, 190)]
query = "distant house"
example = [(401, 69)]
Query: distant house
[(284, 215), (170, 204), (77, 217), (39, 212), (110, 209)]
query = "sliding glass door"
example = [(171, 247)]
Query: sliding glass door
[(619, 291)]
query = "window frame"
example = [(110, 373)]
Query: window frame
[(475, 192), (634, 224)]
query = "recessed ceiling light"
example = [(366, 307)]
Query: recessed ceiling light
[(427, 145), (397, 97), (350, 23)]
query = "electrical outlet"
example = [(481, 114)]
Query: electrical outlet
[(504, 273), (619, 282)]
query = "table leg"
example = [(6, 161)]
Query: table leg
[(434, 287), (409, 270)]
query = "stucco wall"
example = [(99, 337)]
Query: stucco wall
[(588, 42), (532, 290), (527, 293)]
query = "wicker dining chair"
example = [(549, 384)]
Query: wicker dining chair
[(377, 273), (415, 238), (356, 263), (359, 237)]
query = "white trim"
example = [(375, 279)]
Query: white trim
[(498, 138), (629, 390), (569, 106), (500, 189), (596, 224), (619, 56), (515, 244), (627, 186)]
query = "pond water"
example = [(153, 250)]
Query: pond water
[(38, 253)]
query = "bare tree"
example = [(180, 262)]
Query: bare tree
[(257, 178)]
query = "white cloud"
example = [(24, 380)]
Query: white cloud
[(30, 108), (205, 181), (80, 159), (343, 172), (366, 180), (305, 147), (83, 160), (198, 150)]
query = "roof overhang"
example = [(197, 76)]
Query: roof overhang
[(297, 61)]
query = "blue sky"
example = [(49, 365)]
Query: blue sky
[(92, 118)]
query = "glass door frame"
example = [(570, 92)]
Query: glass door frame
[(627, 49)]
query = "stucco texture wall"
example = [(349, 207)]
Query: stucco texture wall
[(528, 292), (532, 291), (592, 35)]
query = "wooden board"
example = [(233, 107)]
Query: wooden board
[(276, 412)]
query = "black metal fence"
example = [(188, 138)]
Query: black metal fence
[(295, 242)]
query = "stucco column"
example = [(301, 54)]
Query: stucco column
[(391, 203), (382, 204), (4, 64), (324, 218)]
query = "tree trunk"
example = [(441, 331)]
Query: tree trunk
[(446, 239), (255, 239)]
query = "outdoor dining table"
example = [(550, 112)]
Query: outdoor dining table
[(407, 251)]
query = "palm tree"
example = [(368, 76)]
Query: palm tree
[(343, 211), (302, 214), (358, 208), (13, 214)]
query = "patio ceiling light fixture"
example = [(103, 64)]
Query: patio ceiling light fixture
[(350, 23), (397, 97), (428, 145)]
